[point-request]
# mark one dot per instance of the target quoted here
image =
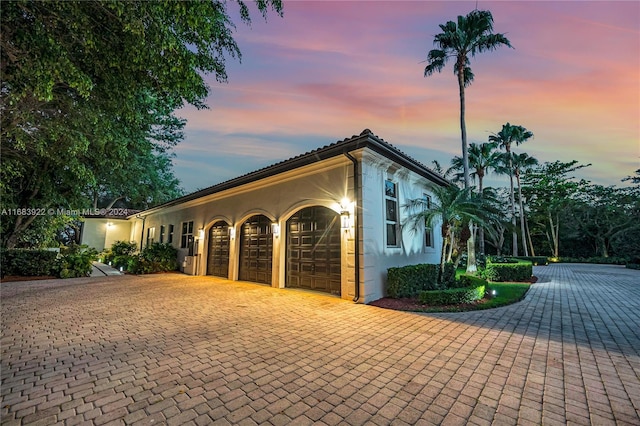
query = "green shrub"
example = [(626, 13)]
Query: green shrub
[(120, 254), (75, 261), (27, 262), (454, 296), (408, 281), (448, 276), (521, 270), (155, 258), (535, 260), (633, 263)]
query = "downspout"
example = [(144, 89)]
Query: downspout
[(144, 218), (356, 190)]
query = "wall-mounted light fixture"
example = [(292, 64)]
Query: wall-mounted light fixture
[(275, 229), (345, 214), (232, 233), (109, 224), (201, 234), (345, 219)]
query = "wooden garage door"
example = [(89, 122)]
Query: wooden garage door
[(256, 250), (218, 255), (313, 250)]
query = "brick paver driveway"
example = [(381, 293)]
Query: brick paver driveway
[(196, 350)]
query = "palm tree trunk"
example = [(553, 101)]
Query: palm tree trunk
[(522, 231), (442, 260), (481, 230), (526, 224), (463, 129), (472, 268), (513, 206)]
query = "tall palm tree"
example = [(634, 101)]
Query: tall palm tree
[(461, 40), (483, 158), (471, 34), (452, 207), (522, 162), (511, 134)]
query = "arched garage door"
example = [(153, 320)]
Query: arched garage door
[(256, 250), (313, 250), (218, 254)]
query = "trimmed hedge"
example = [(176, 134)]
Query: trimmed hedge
[(73, 261), (633, 263), (28, 262), (410, 280), (535, 260), (454, 296), (520, 271)]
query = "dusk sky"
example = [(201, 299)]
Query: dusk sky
[(329, 69)]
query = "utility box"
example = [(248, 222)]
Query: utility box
[(190, 265)]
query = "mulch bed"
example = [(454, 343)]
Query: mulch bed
[(10, 278)]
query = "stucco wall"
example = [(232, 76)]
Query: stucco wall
[(378, 257), (101, 233), (324, 183)]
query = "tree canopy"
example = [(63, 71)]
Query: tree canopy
[(88, 95)]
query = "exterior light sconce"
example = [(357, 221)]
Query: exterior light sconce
[(345, 214), (345, 219), (109, 224), (232, 233), (275, 229), (201, 234)]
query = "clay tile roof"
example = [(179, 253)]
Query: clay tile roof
[(366, 139)]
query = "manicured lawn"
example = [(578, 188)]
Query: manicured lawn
[(506, 294)]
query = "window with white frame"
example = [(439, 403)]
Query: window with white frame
[(151, 235), (187, 235), (162, 232), (391, 212), (170, 237), (428, 231)]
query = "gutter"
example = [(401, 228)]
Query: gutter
[(144, 219), (356, 190)]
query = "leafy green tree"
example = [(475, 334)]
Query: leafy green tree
[(461, 40), (89, 89), (521, 163), (606, 213), (633, 179), (508, 135), (550, 190), (499, 223)]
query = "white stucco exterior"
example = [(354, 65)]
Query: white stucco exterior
[(101, 232), (325, 178)]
